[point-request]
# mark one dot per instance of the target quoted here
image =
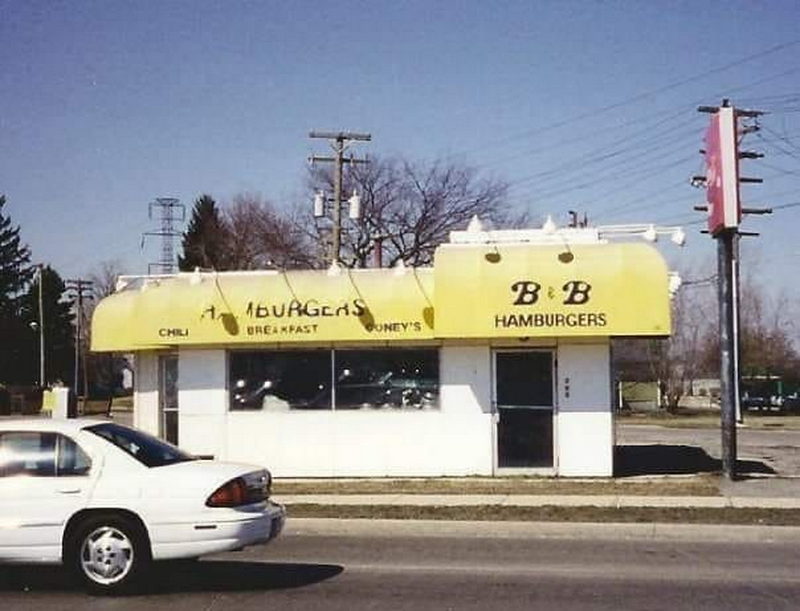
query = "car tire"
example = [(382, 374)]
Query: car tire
[(108, 553)]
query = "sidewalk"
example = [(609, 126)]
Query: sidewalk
[(511, 500)]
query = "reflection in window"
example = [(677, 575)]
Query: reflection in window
[(393, 379), (147, 449), (280, 380), (70, 458), (364, 379), (41, 455)]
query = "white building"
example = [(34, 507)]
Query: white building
[(496, 360)]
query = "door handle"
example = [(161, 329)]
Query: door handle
[(69, 490)]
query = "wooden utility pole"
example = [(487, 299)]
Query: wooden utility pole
[(81, 289), (339, 142)]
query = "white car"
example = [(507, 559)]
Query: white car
[(106, 500)]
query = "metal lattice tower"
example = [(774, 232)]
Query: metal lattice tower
[(169, 210)]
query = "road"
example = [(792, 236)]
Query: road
[(377, 567)]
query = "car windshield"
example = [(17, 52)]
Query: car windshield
[(148, 450)]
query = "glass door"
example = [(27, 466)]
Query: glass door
[(524, 393), (168, 397)]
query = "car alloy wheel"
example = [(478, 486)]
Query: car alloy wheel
[(109, 553)]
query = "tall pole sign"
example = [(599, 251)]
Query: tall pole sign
[(724, 215), (724, 208), (722, 173)]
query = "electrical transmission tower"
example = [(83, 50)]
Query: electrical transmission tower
[(169, 210)]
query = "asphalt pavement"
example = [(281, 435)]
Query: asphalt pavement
[(421, 566)]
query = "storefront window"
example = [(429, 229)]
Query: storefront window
[(364, 379), (280, 380), (387, 379)]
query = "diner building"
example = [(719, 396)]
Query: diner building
[(495, 360)]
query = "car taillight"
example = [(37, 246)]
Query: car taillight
[(244, 490), (231, 494)]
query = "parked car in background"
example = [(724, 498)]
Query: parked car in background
[(108, 500), (754, 402), (791, 403)]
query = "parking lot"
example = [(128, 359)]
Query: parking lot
[(768, 459)]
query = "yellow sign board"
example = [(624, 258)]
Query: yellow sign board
[(267, 308), (522, 290)]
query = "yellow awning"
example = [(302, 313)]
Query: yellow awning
[(267, 307), (476, 290), (525, 290)]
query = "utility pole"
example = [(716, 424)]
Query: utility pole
[(42, 382), (339, 141), (81, 288), (170, 210), (722, 182)]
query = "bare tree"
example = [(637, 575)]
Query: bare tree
[(767, 340), (104, 278), (104, 370), (677, 361), (408, 209), (767, 334), (262, 237)]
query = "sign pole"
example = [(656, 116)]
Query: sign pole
[(728, 352)]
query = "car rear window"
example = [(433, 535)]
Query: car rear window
[(148, 450)]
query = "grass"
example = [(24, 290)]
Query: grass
[(690, 486), (552, 513), (708, 419)]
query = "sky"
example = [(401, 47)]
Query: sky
[(580, 105)]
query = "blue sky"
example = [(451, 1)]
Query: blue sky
[(580, 105)]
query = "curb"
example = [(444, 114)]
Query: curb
[(709, 533)]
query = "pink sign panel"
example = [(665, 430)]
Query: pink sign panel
[(722, 177)]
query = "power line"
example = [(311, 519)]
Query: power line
[(638, 97), (580, 162), (785, 206), (649, 144)]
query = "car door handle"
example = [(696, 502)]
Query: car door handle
[(69, 490)]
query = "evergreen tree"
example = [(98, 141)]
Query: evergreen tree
[(15, 273), (205, 240), (15, 268)]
